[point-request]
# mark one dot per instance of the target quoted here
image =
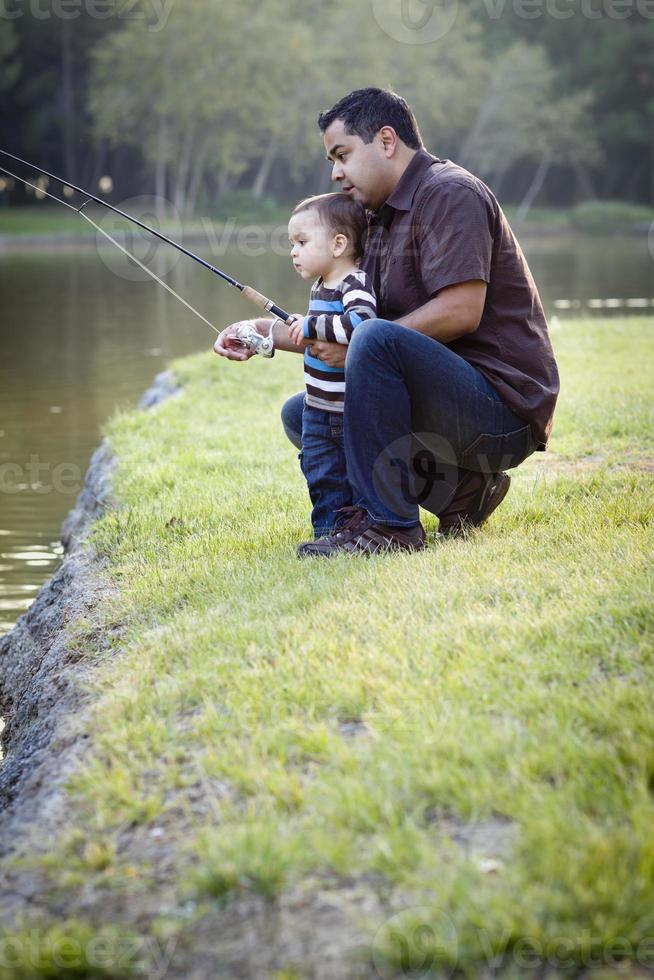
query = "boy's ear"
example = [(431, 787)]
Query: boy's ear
[(339, 245)]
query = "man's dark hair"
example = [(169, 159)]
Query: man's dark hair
[(366, 110), (341, 215)]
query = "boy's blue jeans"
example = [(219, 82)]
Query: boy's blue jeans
[(323, 463), (416, 415)]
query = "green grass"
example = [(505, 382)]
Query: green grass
[(50, 219), (588, 217), (45, 219), (592, 217), (498, 683)]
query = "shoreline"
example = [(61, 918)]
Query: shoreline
[(43, 669), (227, 230)]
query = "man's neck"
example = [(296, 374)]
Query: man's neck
[(400, 164)]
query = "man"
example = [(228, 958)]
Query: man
[(456, 381)]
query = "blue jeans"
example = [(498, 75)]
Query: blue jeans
[(417, 416), (322, 460)]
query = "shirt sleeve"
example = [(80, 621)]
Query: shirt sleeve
[(454, 237), (359, 304)]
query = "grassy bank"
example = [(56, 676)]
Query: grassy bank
[(591, 217), (464, 736)]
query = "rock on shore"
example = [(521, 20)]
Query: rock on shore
[(42, 667)]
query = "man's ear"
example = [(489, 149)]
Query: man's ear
[(339, 245), (389, 140)]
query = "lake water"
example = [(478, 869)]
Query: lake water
[(82, 333)]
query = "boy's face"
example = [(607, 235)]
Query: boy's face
[(363, 170), (312, 245)]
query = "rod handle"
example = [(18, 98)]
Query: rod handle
[(265, 304)]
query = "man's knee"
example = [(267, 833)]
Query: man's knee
[(370, 336)]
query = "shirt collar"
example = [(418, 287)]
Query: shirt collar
[(401, 198)]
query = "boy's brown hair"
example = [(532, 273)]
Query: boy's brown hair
[(341, 215)]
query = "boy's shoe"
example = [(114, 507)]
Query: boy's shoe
[(355, 533), (476, 497)]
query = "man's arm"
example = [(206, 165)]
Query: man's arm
[(452, 313), (455, 312)]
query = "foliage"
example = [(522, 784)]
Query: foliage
[(521, 119), (598, 216), (223, 95), (9, 64)]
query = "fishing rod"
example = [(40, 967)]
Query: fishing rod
[(248, 291)]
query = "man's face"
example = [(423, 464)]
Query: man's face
[(362, 169)]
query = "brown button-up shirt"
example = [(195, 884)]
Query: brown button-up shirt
[(441, 226)]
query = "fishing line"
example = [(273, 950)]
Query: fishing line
[(114, 242), (150, 272), (248, 291)]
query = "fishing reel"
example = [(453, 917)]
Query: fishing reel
[(250, 337)]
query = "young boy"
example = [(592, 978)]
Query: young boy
[(327, 235)]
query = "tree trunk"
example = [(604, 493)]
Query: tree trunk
[(226, 182), (160, 170), (497, 179), (68, 101), (263, 173), (93, 172), (182, 174), (584, 182), (534, 189), (484, 116), (195, 181)]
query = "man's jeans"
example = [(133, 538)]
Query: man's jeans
[(323, 463), (416, 415)]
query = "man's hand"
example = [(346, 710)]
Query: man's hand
[(331, 354), (296, 329), (229, 346)]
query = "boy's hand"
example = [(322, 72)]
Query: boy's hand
[(296, 329)]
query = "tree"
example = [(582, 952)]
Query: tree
[(521, 120), (9, 63), (201, 96)]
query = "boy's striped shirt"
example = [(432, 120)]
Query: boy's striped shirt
[(333, 314)]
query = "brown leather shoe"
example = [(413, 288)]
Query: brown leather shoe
[(355, 533), (475, 499)]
